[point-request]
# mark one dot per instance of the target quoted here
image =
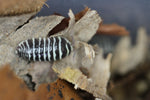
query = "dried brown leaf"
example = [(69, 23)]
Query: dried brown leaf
[(64, 23), (79, 15), (59, 90), (83, 54), (112, 29), (12, 88), (14, 7)]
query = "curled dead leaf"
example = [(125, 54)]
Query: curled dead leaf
[(12, 88), (112, 29), (83, 55), (14, 7), (59, 90)]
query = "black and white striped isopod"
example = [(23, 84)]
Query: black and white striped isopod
[(44, 49)]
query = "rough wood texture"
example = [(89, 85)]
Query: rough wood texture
[(38, 27), (13, 7), (127, 57), (8, 25), (83, 55)]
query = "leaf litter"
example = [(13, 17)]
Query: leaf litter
[(84, 55)]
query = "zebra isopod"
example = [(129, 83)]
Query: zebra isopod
[(44, 49)]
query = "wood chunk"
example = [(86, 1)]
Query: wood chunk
[(126, 57), (37, 27), (65, 22), (10, 24), (82, 30), (79, 15), (83, 55), (99, 73), (42, 72), (14, 7), (7, 54)]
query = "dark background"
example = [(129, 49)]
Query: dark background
[(129, 13)]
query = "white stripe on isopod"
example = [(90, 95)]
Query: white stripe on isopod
[(69, 44), (29, 51), (44, 53), (67, 49), (20, 45), (21, 48), (66, 40), (23, 54), (39, 48), (49, 50), (54, 54), (33, 42), (60, 52)]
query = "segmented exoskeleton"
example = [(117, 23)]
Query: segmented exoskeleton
[(44, 49)]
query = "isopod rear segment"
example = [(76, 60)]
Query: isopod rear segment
[(44, 49)]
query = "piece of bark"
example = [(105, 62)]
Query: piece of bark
[(99, 73), (107, 29), (127, 57), (13, 7), (83, 55), (79, 15), (82, 30), (37, 27), (42, 72), (65, 22), (10, 24)]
